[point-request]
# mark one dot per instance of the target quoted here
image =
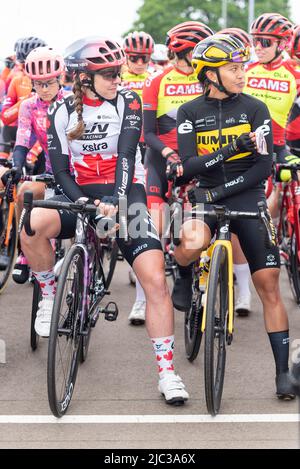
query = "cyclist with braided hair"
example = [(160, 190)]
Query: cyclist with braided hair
[(100, 126), (222, 153), (20, 88), (162, 95)]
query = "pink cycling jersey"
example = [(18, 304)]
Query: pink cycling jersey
[(32, 123)]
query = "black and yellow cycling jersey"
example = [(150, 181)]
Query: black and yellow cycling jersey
[(206, 127)]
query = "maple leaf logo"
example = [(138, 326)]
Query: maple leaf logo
[(169, 356), (158, 358), (167, 341), (135, 105)]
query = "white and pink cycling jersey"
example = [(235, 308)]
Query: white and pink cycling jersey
[(32, 123)]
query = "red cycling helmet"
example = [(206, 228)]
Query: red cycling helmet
[(138, 42), (239, 34), (187, 35), (44, 62), (92, 54), (272, 24), (294, 45)]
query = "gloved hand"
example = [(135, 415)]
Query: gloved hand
[(174, 165), (198, 195), (15, 173), (244, 143)]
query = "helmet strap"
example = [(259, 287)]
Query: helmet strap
[(219, 85)]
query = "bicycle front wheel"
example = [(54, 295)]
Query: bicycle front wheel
[(65, 339), (215, 329), (192, 322)]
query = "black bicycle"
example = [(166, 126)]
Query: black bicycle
[(80, 289)]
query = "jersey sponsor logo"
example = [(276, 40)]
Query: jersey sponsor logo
[(265, 128), (185, 127), (95, 147), (238, 180), (134, 85), (210, 120), (270, 84), (132, 117), (209, 141), (230, 120), (216, 160), (96, 132), (179, 89), (125, 168)]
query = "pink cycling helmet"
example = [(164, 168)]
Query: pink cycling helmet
[(44, 62)]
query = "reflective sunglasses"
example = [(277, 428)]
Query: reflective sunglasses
[(263, 41), (135, 58), (110, 74)]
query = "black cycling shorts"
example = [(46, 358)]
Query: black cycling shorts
[(252, 234), (142, 232)]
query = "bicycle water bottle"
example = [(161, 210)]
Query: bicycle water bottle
[(204, 268)]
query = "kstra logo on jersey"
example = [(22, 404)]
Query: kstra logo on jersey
[(269, 84), (182, 89)]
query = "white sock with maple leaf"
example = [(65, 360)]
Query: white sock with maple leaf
[(47, 282), (164, 351)]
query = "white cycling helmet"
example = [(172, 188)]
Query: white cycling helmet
[(160, 53)]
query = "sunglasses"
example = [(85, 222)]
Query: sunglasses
[(135, 58), (263, 41), (110, 74), (44, 84)]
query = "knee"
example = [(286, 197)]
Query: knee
[(269, 289), (156, 285)]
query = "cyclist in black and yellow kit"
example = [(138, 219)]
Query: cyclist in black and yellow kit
[(217, 145)]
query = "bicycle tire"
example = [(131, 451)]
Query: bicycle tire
[(71, 283), (215, 329), (12, 246), (36, 298), (294, 266), (192, 323), (110, 252)]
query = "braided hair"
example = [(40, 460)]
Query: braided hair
[(78, 95)]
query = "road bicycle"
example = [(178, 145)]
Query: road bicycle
[(217, 314), (288, 227), (81, 288)]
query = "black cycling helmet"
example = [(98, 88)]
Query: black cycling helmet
[(25, 45)]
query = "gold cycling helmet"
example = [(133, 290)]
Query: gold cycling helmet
[(217, 50)]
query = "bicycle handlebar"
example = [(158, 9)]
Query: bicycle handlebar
[(221, 212), (77, 207)]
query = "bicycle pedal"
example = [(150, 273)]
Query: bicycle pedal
[(111, 311)]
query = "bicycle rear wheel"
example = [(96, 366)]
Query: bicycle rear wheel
[(192, 323), (215, 330), (7, 252), (36, 298), (294, 268), (65, 339)]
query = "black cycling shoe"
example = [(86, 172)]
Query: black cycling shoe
[(4, 261), (284, 387), (182, 293), (20, 273)]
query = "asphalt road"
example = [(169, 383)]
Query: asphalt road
[(116, 403)]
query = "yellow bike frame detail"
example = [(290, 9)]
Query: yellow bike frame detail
[(228, 246)]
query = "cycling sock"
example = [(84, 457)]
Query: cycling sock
[(242, 273), (280, 346), (185, 271), (47, 282), (140, 294), (163, 348)]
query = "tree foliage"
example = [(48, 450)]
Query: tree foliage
[(158, 16)]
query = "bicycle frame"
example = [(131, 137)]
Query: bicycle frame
[(223, 238), (291, 203)]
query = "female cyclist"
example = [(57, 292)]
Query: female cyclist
[(162, 95), (100, 127), (44, 67), (221, 152)]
